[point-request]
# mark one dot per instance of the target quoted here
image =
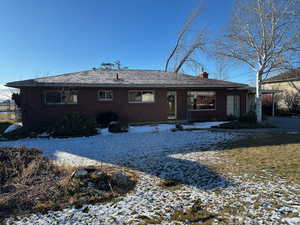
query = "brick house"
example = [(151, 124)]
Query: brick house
[(137, 96)]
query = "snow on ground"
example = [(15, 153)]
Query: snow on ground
[(164, 127), (117, 148), (13, 127), (163, 154)]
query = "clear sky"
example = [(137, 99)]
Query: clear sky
[(45, 37)]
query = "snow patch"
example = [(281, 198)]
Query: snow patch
[(13, 127), (155, 128)]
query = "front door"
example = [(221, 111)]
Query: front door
[(172, 107)]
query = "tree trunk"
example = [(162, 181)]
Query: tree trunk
[(258, 100)]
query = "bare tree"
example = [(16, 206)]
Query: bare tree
[(265, 35), (185, 49), (113, 65), (221, 69), (292, 100)]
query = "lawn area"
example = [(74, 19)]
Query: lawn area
[(6, 116), (277, 154), (185, 177), (243, 125)]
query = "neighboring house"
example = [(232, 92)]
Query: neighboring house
[(287, 83), (137, 96)]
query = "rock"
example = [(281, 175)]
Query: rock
[(79, 173), (120, 179)]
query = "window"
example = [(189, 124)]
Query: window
[(201, 100), (61, 97), (105, 95), (141, 96)]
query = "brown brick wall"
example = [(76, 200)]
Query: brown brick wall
[(35, 112)]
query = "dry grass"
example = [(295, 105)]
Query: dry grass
[(244, 125), (7, 117), (263, 154), (195, 215), (170, 184), (30, 183), (25, 176)]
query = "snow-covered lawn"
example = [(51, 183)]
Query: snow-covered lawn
[(108, 147), (157, 153)]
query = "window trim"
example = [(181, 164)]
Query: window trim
[(105, 100), (141, 102), (195, 110), (60, 103)]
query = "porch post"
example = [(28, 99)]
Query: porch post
[(273, 105)]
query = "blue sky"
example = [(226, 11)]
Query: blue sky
[(40, 38)]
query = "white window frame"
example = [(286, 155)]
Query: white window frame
[(141, 102), (61, 96), (203, 109), (105, 99)]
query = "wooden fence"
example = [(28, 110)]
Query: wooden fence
[(9, 111)]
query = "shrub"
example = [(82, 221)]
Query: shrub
[(74, 125), (118, 127), (248, 117), (178, 126), (24, 172), (231, 117), (292, 101), (104, 119)]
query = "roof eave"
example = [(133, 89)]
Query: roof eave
[(15, 85), (279, 81)]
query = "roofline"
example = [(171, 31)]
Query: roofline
[(11, 84), (278, 81)]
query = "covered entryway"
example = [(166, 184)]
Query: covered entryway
[(172, 105)]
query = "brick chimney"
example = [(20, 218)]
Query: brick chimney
[(203, 75)]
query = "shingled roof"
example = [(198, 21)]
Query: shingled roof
[(124, 78), (291, 75)]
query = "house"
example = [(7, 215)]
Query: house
[(286, 83), (137, 96)]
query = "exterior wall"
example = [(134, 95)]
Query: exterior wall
[(291, 86), (285, 87), (36, 113)]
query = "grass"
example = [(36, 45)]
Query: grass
[(243, 125), (264, 156), (276, 153), (29, 183), (195, 215), (6, 116), (170, 184)]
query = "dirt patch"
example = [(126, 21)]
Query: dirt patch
[(29, 183)]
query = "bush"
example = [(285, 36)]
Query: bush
[(31, 183), (248, 117), (178, 126), (104, 119), (231, 117), (24, 173), (118, 127), (74, 125)]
